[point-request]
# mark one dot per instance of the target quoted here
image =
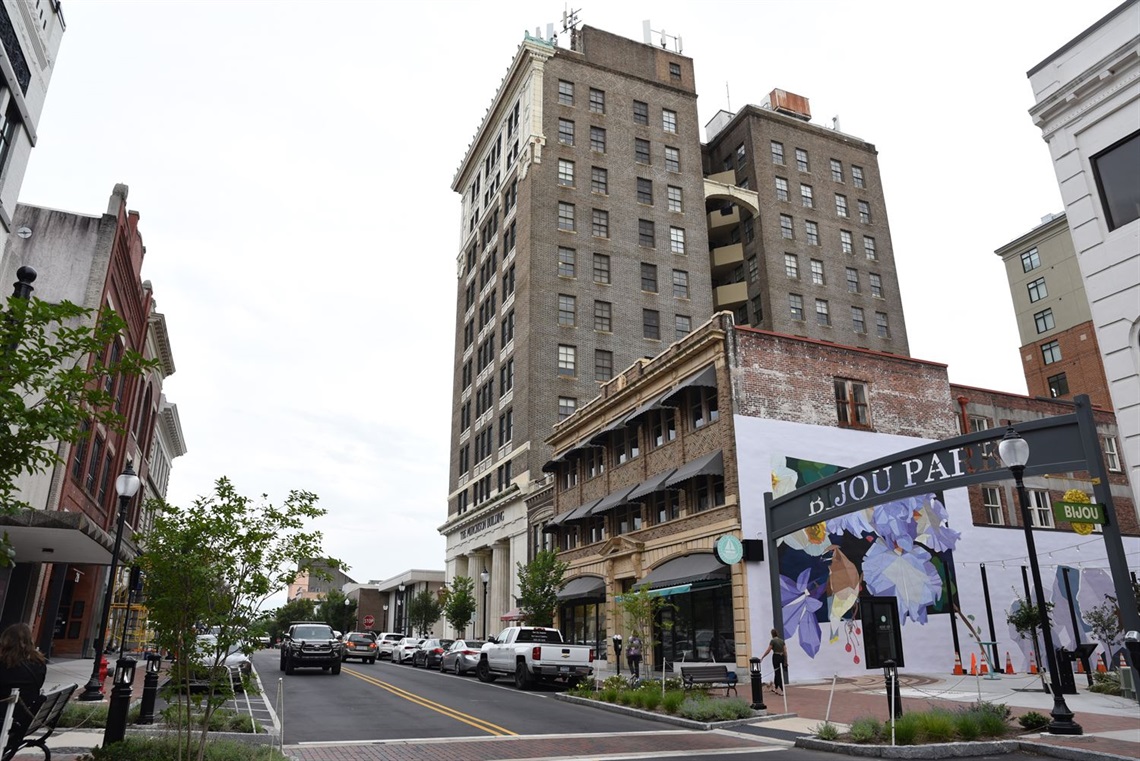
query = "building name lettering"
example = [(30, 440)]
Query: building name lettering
[(914, 472), (486, 523)]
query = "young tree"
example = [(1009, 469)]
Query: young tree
[(423, 611), (210, 567), (540, 581), (301, 609), (640, 608), (459, 609), (52, 382), (338, 611), (1106, 626)]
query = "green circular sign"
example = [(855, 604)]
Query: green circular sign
[(729, 550)]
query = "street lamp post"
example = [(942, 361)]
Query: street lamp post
[(126, 485), (386, 624), (485, 576), (1014, 453), (400, 611)]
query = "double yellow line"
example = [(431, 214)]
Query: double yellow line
[(451, 713)]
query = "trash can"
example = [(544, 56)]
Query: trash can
[(1065, 679)]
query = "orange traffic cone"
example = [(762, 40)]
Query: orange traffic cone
[(985, 665), (973, 664), (1080, 666), (1123, 663), (1101, 666), (1008, 663), (1032, 662), (958, 665)]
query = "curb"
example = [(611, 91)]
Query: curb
[(956, 750), (667, 719)]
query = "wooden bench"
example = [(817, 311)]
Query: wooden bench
[(710, 674), (48, 710)]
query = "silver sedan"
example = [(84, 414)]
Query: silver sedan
[(402, 651), (462, 656)]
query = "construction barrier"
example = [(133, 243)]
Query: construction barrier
[(1032, 662), (985, 665), (1101, 665), (973, 664), (1008, 663), (958, 665)]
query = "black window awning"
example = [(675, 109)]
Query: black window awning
[(652, 404), (581, 511), (709, 465), (611, 501), (650, 485), (584, 587), (687, 569), (706, 377), (602, 434)]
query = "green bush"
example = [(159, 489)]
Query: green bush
[(1032, 720), (936, 726), (703, 708), (626, 697), (906, 729), (1107, 684), (992, 724), (608, 694), (866, 729), (968, 726), (673, 700), (673, 683), (827, 731), (77, 715), (1000, 710), (164, 749), (615, 682), (651, 698)]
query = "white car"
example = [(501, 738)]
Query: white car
[(402, 651), (236, 664), (387, 641)]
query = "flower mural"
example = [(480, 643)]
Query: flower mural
[(901, 549)]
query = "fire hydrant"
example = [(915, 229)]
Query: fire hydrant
[(102, 671)]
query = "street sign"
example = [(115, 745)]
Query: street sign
[(368, 621), (1079, 512)]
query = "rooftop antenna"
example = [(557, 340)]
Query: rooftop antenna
[(727, 96), (665, 38)]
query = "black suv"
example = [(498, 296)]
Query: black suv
[(310, 644)]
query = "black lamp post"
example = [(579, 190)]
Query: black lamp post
[(126, 486), (1014, 453), (400, 611), (485, 576)]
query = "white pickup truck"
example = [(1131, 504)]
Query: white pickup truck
[(534, 654)]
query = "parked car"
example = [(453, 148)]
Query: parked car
[(230, 666), (386, 641), (360, 645), (461, 656), (402, 652), (430, 653), (533, 654)]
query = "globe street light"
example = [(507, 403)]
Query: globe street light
[(1014, 453), (400, 611), (126, 486), (485, 576)]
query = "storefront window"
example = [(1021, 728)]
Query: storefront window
[(584, 623), (702, 627)]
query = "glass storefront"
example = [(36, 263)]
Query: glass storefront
[(697, 626), (584, 622)]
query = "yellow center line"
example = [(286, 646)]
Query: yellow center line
[(451, 713)]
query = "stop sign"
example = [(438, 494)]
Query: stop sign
[(368, 621)]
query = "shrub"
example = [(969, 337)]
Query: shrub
[(967, 725), (674, 683), (165, 748), (906, 729), (1032, 720), (625, 697), (827, 731), (609, 694), (673, 700), (991, 724), (1107, 684), (997, 709), (866, 729), (935, 726), (90, 715), (615, 682), (651, 698), (702, 708)]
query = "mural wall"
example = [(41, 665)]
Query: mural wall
[(924, 551)]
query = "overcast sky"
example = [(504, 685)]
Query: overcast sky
[(292, 162)]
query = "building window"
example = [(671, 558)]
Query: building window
[(601, 269), (597, 101), (566, 173), (675, 72), (677, 240), (627, 519), (1040, 508), (674, 198), (603, 316), (979, 423), (1111, 455), (566, 406), (757, 310), (603, 365), (662, 428), (802, 160), (507, 376), (651, 324), (812, 230), (672, 159), (1030, 260), (1115, 171), (703, 407), (565, 92), (599, 180), (1044, 320), (625, 445), (777, 153), (595, 460), (640, 112), (566, 132), (792, 266), (683, 325), (807, 197), (876, 285), (864, 212), (706, 493), (991, 499), (753, 269), (669, 120), (645, 191), (567, 310), (781, 189), (566, 216), (506, 427), (857, 176), (567, 360), (1051, 352), (1058, 385), (822, 312), (600, 223), (869, 247), (817, 272), (852, 280), (1037, 290), (680, 284), (786, 227), (841, 205), (796, 304), (646, 233), (845, 242), (851, 403), (836, 170), (508, 282), (640, 150), (508, 330), (882, 328), (649, 277), (858, 324), (664, 506), (597, 139), (566, 259)]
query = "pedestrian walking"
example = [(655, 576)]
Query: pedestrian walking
[(633, 656), (779, 651)]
